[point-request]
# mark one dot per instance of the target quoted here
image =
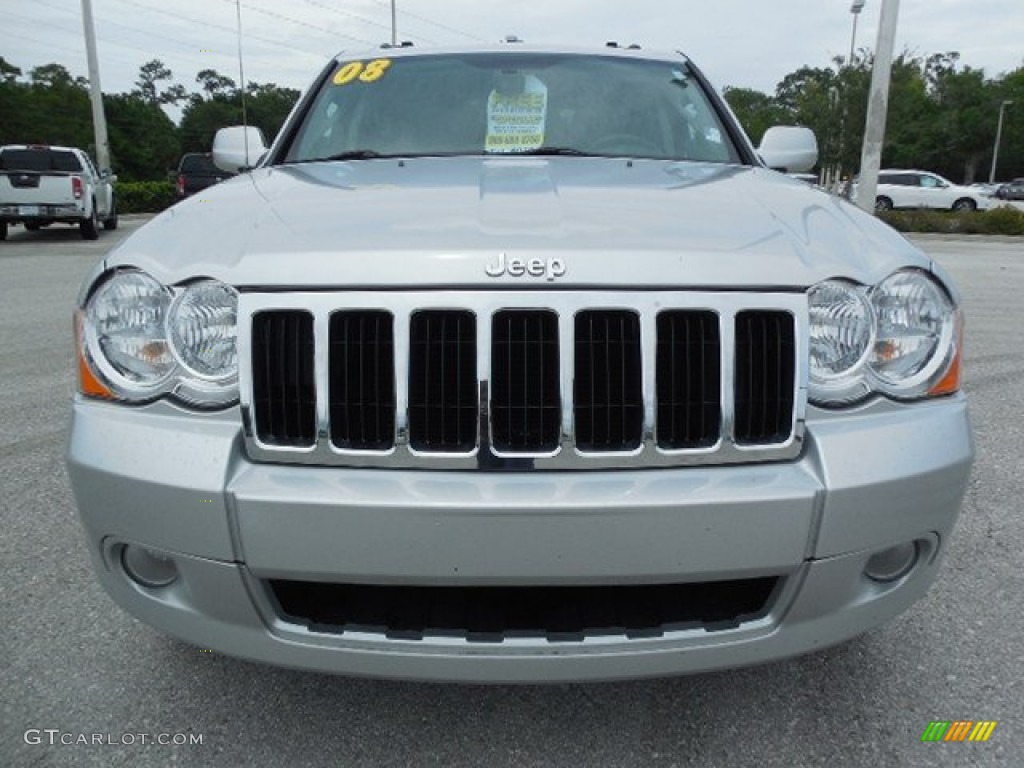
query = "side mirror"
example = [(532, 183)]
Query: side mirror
[(238, 148), (789, 148)]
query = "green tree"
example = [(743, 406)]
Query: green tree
[(1011, 148), (267, 106), (8, 72), (151, 75), (216, 85), (756, 111), (144, 143), (51, 108), (812, 97)]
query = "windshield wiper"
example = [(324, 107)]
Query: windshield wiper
[(352, 154), (371, 154), (549, 152)]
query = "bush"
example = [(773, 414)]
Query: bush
[(1005, 221), (144, 196), (999, 221)]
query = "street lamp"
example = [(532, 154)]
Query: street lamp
[(999, 135), (855, 9)]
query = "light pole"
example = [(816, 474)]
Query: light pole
[(878, 105), (855, 9), (99, 119), (999, 135), (394, 25)]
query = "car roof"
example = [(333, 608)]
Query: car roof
[(626, 51), (40, 146)]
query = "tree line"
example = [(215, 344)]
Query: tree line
[(942, 114), (50, 106)]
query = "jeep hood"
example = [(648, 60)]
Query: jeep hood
[(438, 222)]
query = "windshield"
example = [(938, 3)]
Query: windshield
[(39, 159), (511, 103), (199, 164)]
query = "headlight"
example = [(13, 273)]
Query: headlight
[(126, 333), (204, 326), (841, 331), (917, 324), (900, 338), (144, 340)]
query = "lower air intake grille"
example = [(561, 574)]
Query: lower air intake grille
[(493, 614), (284, 392)]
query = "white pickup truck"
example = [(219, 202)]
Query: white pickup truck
[(41, 184)]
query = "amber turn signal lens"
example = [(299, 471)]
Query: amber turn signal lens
[(88, 383), (950, 382)]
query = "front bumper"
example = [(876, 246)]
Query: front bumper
[(182, 485)]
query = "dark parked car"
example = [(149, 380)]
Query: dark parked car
[(196, 172), (1013, 190)]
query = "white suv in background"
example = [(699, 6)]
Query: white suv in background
[(921, 189)]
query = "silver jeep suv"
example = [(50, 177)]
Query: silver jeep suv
[(517, 364)]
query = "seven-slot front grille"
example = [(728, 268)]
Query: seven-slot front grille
[(514, 382)]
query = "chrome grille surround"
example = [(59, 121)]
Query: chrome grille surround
[(484, 304)]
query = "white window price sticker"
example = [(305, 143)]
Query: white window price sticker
[(515, 120)]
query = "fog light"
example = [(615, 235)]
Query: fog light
[(148, 568), (892, 563)]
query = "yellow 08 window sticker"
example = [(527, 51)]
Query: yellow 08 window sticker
[(369, 72)]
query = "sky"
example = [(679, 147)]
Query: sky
[(741, 43)]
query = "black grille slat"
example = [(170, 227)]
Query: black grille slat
[(688, 376), (764, 378), (526, 408), (362, 380), (608, 382), (443, 396), (284, 389)]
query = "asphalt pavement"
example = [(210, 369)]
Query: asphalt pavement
[(75, 667)]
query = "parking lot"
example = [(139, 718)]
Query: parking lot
[(75, 664)]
